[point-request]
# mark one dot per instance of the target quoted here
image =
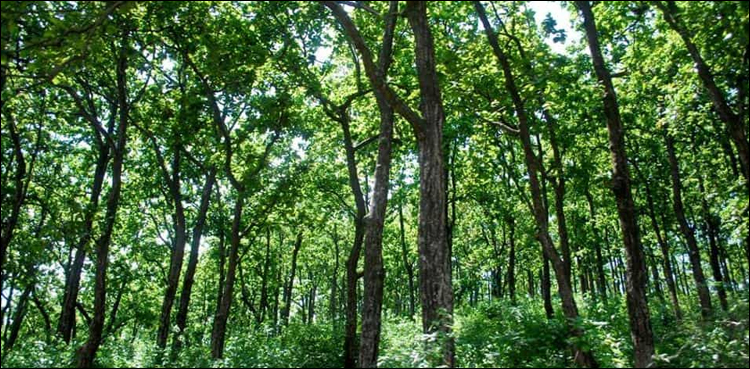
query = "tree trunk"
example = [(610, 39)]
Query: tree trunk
[(20, 314), (222, 252), (583, 357), (311, 299), (187, 284), (558, 184), (7, 309), (87, 353), (666, 259), (334, 308), (45, 316), (512, 259), (729, 279), (640, 321), (218, 333), (687, 231), (70, 297), (435, 269), (547, 288), (374, 273), (435, 264), (350, 339), (19, 192), (712, 223), (408, 266), (178, 252), (602, 278), (289, 286), (655, 277), (264, 280), (352, 276)]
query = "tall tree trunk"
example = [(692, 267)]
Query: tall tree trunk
[(583, 357), (178, 252), (218, 332), (729, 279), (45, 316), (289, 285), (655, 277), (222, 263), (187, 284), (601, 277), (7, 309), (546, 288), (311, 299), (640, 321), (558, 183), (512, 259), (20, 314), (87, 353), (435, 269), (66, 322), (712, 223), (408, 266), (334, 308), (435, 264), (666, 259), (264, 279), (9, 225), (732, 120), (277, 292), (350, 338), (352, 276), (374, 274), (687, 231)]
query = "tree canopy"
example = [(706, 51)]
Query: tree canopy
[(364, 184)]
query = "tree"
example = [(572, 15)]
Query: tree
[(640, 319)]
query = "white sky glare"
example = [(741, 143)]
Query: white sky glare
[(560, 14)]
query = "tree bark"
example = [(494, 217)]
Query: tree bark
[(334, 308), (374, 273), (352, 276), (547, 288), (19, 195), (640, 321), (187, 284), (435, 284), (218, 333), (45, 315), (601, 276), (712, 224), (178, 250), (408, 265), (435, 264), (350, 338), (687, 231), (289, 287), (68, 309), (264, 280), (559, 190), (20, 314), (511, 259)]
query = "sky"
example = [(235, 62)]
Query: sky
[(562, 16)]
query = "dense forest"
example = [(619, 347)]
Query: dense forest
[(364, 184)]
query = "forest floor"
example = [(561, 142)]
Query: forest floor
[(488, 335)]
